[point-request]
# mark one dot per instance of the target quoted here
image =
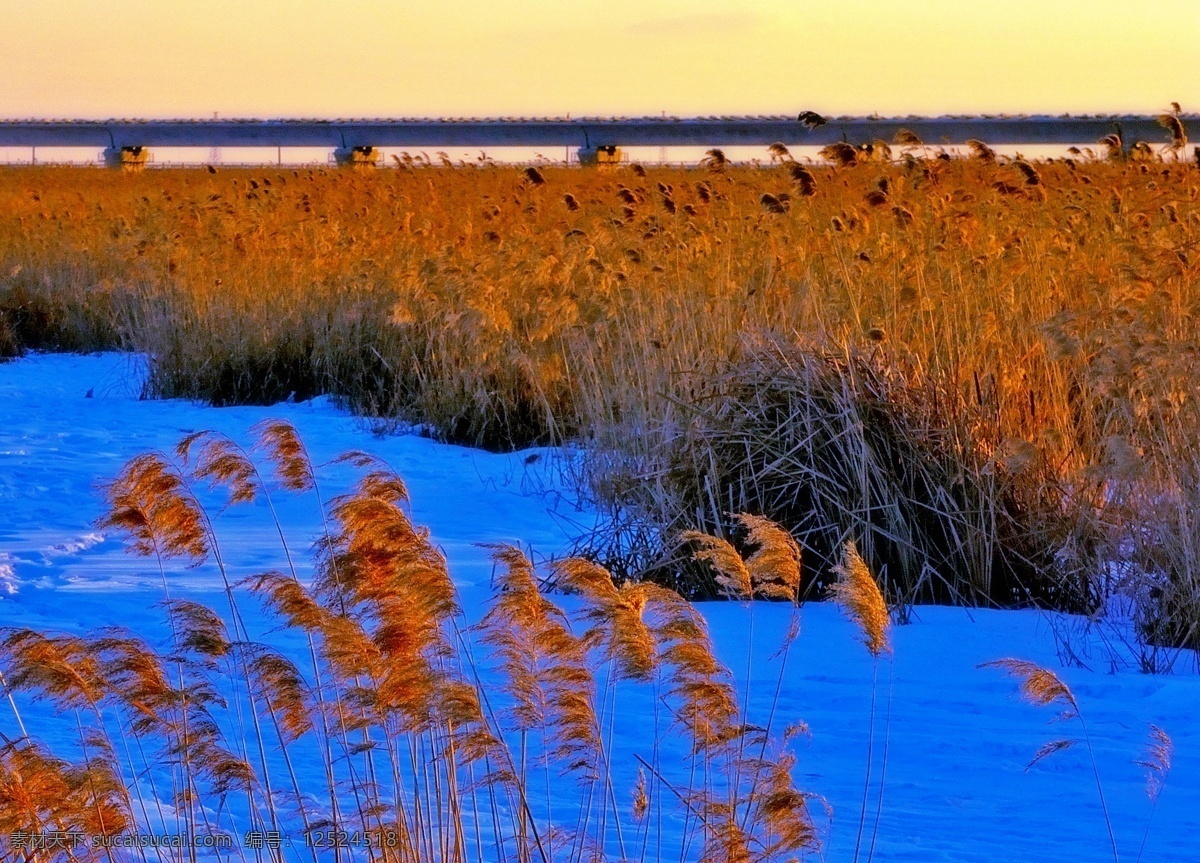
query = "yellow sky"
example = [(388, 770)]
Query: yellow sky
[(351, 58)]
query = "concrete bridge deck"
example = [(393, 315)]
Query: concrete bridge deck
[(576, 132)]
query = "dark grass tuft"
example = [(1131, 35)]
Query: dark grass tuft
[(838, 445)]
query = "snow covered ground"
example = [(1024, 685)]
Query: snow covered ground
[(956, 789)]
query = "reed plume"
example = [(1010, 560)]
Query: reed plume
[(704, 697), (782, 813), (771, 572), (617, 616), (1157, 763), (219, 461), (544, 665), (715, 160), (732, 574), (149, 502), (59, 668), (283, 448), (1032, 177), (774, 566), (773, 204), (282, 687), (1114, 145), (1174, 126), (981, 151), (134, 673), (840, 153), (804, 179), (641, 799), (858, 593), (1039, 686), (725, 839), (289, 599)]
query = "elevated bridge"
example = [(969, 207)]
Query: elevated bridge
[(364, 136)]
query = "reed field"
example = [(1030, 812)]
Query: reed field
[(981, 370)]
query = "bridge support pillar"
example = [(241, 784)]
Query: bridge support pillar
[(357, 157), (605, 154), (127, 158)]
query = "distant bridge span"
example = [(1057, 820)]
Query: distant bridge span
[(574, 132)]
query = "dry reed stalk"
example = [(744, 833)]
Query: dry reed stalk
[(1157, 763), (859, 595), (222, 462), (1042, 687), (772, 572), (552, 688), (168, 491), (145, 490)]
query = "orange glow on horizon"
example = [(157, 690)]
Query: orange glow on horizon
[(475, 58)]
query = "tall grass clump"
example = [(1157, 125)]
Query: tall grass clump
[(845, 444)]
